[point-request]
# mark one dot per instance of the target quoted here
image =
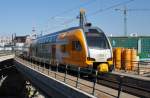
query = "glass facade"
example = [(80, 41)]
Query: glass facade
[(132, 42), (124, 42)]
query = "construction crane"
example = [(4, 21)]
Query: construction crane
[(125, 10)]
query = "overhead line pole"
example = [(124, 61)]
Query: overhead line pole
[(125, 19), (82, 20)]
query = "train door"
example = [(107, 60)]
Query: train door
[(53, 54)]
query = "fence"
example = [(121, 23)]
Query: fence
[(139, 67), (64, 73)]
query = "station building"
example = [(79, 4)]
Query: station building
[(141, 43)]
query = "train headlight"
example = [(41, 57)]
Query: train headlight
[(102, 68)]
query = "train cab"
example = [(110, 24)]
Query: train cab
[(99, 49)]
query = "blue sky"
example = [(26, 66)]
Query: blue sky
[(19, 16)]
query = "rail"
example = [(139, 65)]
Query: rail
[(112, 80), (133, 84)]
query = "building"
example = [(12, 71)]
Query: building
[(5, 43), (19, 42), (141, 43), (5, 40)]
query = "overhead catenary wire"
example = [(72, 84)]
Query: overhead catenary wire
[(74, 8), (138, 9), (62, 24), (110, 7), (89, 2), (93, 13), (107, 8)]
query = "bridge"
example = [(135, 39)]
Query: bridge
[(58, 82)]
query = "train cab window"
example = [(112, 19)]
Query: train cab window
[(63, 48), (76, 45), (96, 39)]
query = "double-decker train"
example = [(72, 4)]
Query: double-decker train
[(85, 48)]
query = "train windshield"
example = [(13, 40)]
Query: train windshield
[(96, 39)]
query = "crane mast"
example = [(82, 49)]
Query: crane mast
[(125, 10)]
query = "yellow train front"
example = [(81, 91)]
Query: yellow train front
[(78, 47)]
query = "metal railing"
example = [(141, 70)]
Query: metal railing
[(77, 81), (63, 73), (139, 68)]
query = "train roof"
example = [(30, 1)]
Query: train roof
[(46, 37), (65, 30), (55, 33)]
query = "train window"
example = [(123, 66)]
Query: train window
[(46, 39), (50, 39), (76, 45), (54, 39), (96, 39), (63, 48)]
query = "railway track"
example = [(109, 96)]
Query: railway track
[(132, 84)]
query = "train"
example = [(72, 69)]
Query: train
[(86, 47)]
